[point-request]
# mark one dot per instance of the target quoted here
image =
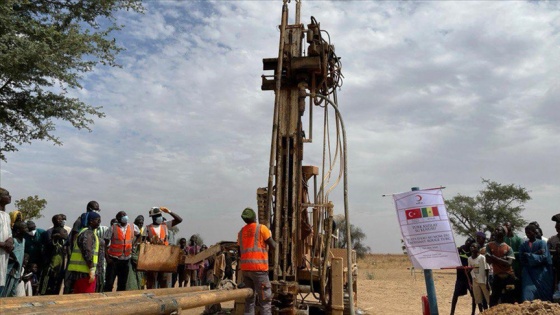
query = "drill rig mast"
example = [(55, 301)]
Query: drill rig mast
[(305, 263)]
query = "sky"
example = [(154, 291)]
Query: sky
[(435, 93)]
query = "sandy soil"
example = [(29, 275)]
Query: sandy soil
[(387, 286)]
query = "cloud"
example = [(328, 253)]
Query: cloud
[(434, 93)]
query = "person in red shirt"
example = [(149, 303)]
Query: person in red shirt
[(500, 255)]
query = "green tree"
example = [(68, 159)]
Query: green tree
[(31, 207), (356, 234), (45, 48), (495, 204)]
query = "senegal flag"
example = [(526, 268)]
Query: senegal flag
[(430, 212)]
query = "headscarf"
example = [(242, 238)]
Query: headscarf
[(13, 217), (136, 222)]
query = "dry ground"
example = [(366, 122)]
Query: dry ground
[(387, 285)]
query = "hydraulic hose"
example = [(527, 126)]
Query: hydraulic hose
[(346, 212)]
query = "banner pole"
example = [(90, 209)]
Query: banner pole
[(430, 287)]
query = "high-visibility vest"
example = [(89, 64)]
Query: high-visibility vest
[(253, 251), (121, 243), (77, 261), (162, 233)]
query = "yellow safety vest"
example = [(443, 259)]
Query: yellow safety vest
[(77, 261)]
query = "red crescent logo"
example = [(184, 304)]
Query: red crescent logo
[(419, 198)]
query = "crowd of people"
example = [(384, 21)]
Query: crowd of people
[(508, 268), (88, 257)]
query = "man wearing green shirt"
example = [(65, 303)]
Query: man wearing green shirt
[(514, 241)]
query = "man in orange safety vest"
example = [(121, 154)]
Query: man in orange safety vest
[(158, 233), (253, 240), (119, 239)]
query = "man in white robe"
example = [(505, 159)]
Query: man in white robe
[(6, 241)]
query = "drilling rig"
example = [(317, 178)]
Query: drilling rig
[(308, 273)]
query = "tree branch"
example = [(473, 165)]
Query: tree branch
[(5, 84)]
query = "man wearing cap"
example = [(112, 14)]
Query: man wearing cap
[(83, 263), (553, 244), (158, 233), (253, 240)]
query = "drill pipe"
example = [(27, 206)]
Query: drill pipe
[(139, 305), (28, 301)]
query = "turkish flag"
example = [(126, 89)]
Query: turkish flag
[(413, 214)]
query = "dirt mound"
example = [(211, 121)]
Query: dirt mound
[(536, 307)]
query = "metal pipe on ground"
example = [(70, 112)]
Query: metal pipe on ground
[(82, 299), (102, 303), (141, 305), (59, 299)]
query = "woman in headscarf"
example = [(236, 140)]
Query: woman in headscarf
[(15, 216)]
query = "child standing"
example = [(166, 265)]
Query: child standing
[(480, 276), (31, 279)]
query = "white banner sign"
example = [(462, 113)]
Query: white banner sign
[(426, 230)]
